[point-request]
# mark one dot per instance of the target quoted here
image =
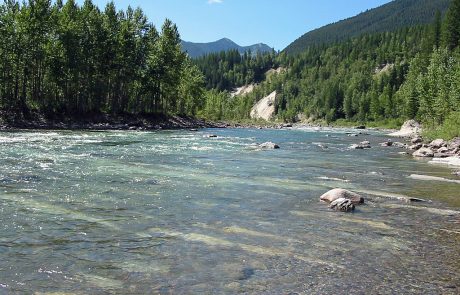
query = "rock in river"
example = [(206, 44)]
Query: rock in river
[(424, 153), (339, 193), (269, 145), (360, 146), (416, 140), (342, 204), (387, 143), (438, 143)]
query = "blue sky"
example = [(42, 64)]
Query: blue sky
[(274, 22)]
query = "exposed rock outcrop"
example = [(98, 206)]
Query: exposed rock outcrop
[(243, 90), (265, 108), (410, 128)]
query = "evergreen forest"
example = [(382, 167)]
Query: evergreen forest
[(385, 78), (60, 58)]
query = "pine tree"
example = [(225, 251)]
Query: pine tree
[(452, 26)]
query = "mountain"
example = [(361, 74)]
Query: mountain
[(199, 49), (386, 18)]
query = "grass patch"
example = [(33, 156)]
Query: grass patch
[(448, 130)]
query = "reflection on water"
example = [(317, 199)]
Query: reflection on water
[(174, 212)]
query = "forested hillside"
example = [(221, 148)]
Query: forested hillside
[(59, 58), (229, 69), (387, 18), (413, 72)]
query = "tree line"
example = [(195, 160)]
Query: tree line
[(229, 69), (413, 72), (62, 58)]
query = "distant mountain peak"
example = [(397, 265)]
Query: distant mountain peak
[(199, 49)]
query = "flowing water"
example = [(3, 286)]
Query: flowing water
[(174, 212)]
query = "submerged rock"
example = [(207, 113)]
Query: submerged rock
[(450, 161), (400, 145), (339, 193), (386, 143), (210, 136), (360, 146), (342, 204), (269, 145), (424, 153)]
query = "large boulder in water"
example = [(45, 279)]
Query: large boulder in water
[(410, 128), (339, 193), (342, 204)]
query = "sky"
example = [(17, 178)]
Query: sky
[(274, 22)]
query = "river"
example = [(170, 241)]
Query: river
[(176, 212)]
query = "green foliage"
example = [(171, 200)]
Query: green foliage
[(60, 58), (377, 79), (229, 69), (389, 17), (431, 92), (449, 129), (452, 26)]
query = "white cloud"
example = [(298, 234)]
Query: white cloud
[(215, 1)]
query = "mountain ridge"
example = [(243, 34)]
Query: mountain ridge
[(195, 50), (385, 18)]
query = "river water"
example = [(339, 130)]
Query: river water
[(174, 212)]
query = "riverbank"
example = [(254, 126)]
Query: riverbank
[(104, 122)]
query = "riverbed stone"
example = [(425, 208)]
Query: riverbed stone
[(438, 143), (416, 146), (416, 139), (342, 204), (443, 150), (338, 193), (424, 153), (387, 143)]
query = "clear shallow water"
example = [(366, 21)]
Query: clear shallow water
[(175, 213)]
